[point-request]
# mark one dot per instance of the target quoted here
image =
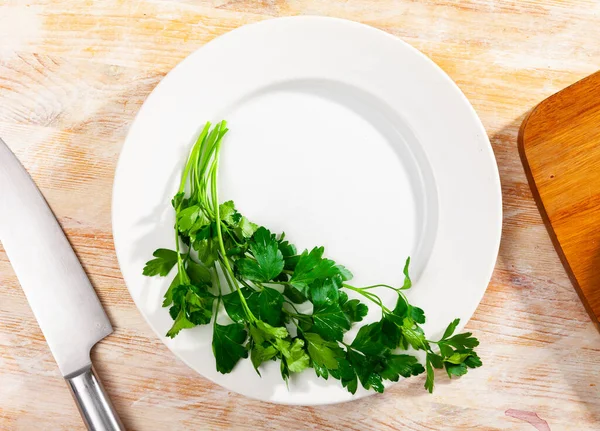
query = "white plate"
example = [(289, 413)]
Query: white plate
[(340, 135)]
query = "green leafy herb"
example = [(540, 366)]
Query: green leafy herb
[(228, 345), (263, 281), (323, 353), (312, 267), (354, 310), (330, 321), (266, 262), (270, 303), (191, 306), (162, 264)]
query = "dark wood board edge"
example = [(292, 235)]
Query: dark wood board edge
[(540, 204)]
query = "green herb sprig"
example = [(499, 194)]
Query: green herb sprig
[(260, 278)]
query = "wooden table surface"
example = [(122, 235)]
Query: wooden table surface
[(74, 73)]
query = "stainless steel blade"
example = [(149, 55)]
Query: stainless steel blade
[(58, 290)]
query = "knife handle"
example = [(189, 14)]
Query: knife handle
[(94, 405)]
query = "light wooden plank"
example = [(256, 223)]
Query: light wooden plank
[(73, 74)]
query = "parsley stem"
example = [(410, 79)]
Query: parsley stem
[(184, 176), (227, 275), (289, 313), (291, 304), (216, 313), (180, 266), (246, 284), (298, 316), (370, 296), (376, 285), (232, 236), (219, 298), (349, 347), (215, 198), (404, 298), (217, 279), (193, 156)]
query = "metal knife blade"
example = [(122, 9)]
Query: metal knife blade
[(58, 290), (56, 286)]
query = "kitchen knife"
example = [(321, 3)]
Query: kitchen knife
[(58, 290)]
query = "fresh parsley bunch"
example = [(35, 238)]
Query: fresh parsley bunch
[(261, 279)]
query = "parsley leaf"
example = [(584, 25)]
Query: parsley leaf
[(368, 340), (456, 370), (457, 354), (260, 354), (450, 329), (344, 272), (164, 261), (430, 377), (207, 251), (266, 305), (407, 281), (286, 248), (233, 304), (228, 346), (177, 200), (354, 310), (268, 260), (245, 228), (191, 306), (346, 374), (473, 361), (228, 213), (325, 291), (186, 218), (180, 322), (168, 298), (270, 304), (294, 295), (323, 353), (261, 332), (199, 305), (310, 267), (462, 341), (293, 353), (330, 321), (366, 368), (320, 370), (397, 366), (197, 273), (391, 334)]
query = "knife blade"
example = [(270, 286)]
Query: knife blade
[(57, 288)]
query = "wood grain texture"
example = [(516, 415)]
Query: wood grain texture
[(560, 147), (73, 75)]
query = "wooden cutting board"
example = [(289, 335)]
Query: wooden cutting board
[(560, 148)]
